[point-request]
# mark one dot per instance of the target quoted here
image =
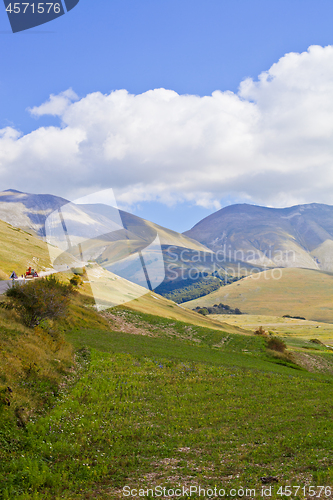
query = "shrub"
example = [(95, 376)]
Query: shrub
[(260, 331), (293, 317), (203, 311), (75, 280), (44, 298), (276, 344)]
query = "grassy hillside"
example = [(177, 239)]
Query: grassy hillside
[(299, 292), (151, 394), (34, 361), (19, 250), (151, 303), (32, 365), (164, 403)]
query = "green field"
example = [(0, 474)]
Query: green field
[(155, 402), (297, 292)]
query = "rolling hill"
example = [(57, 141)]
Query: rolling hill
[(297, 292)]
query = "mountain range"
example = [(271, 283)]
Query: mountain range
[(115, 239), (299, 236), (244, 235)]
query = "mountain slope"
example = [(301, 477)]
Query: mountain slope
[(19, 250), (144, 229), (299, 236), (111, 237), (29, 212)]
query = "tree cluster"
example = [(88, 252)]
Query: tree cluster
[(217, 309), (188, 289)]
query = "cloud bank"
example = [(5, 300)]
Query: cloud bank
[(271, 143)]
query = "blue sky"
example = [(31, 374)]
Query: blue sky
[(189, 47)]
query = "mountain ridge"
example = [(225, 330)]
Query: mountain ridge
[(287, 237), (255, 237), (29, 212), (112, 238)]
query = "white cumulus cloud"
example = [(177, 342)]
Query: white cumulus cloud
[(270, 143), (56, 105)]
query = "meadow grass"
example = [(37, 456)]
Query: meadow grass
[(140, 421), (153, 304), (290, 328), (169, 404), (179, 341)]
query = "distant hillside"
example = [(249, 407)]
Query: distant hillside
[(227, 244), (145, 229), (299, 292), (299, 236), (19, 250), (110, 236), (29, 211)]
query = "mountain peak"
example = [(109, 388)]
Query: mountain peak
[(12, 191), (256, 233)]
